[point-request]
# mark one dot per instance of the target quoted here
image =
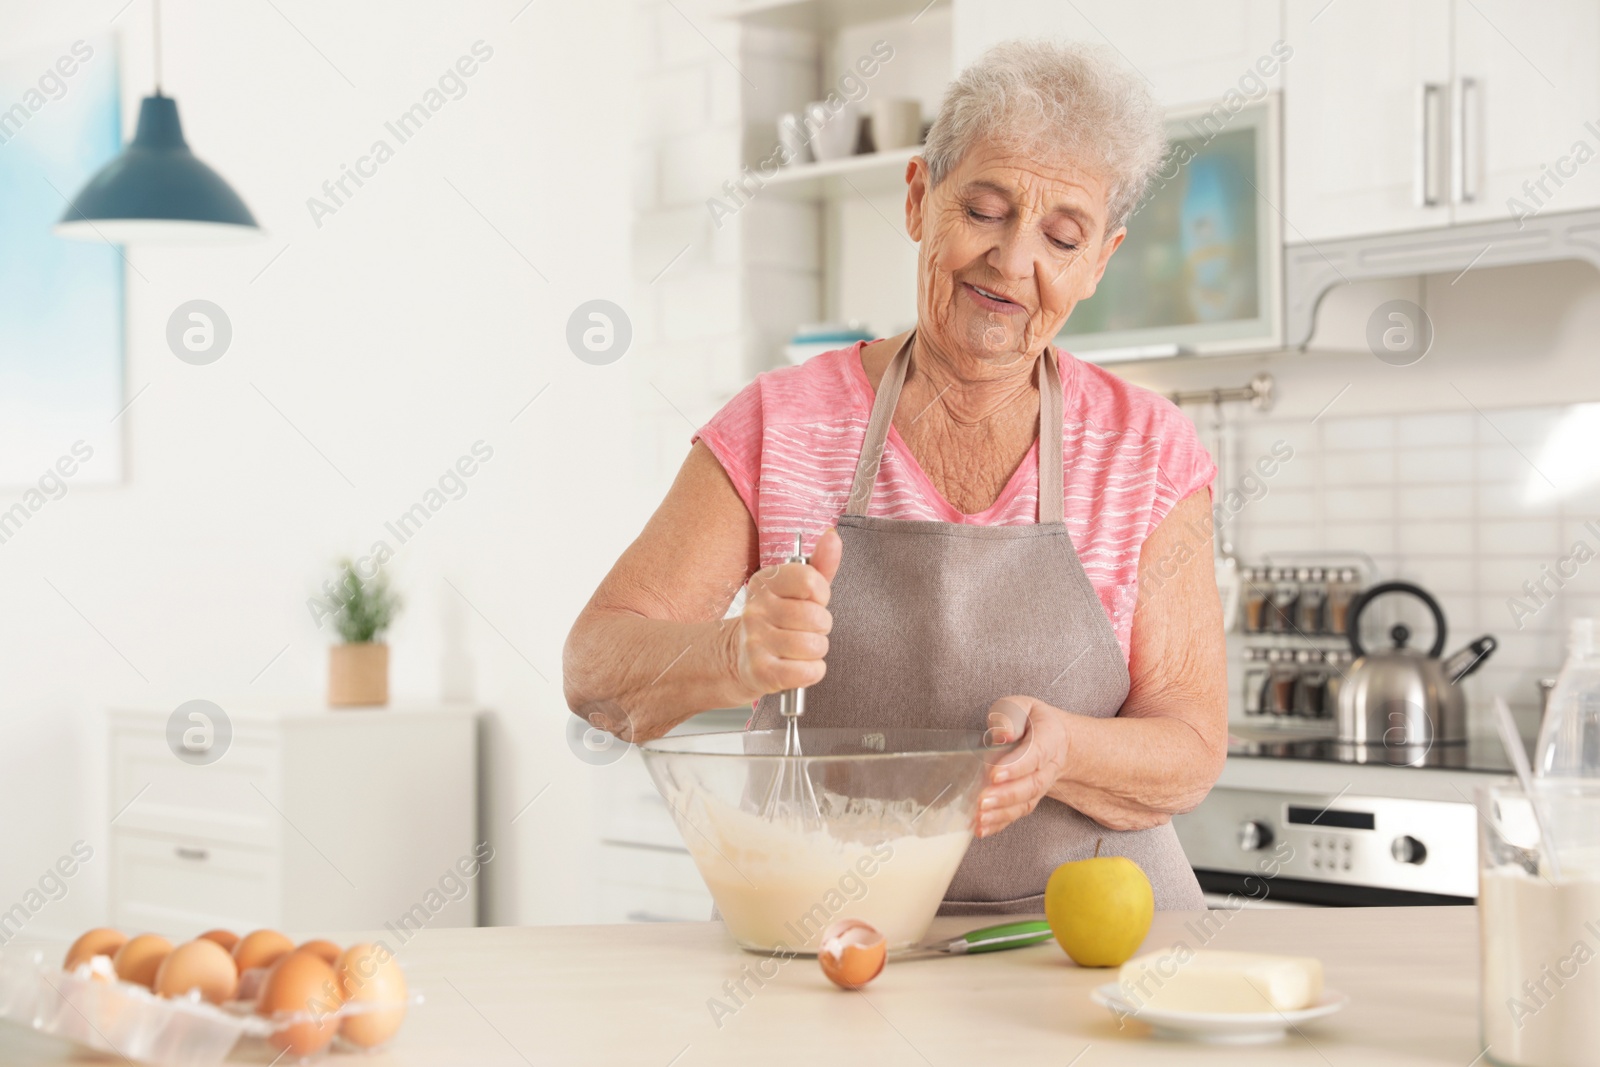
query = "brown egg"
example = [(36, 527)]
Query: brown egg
[(260, 948), (852, 953), (369, 975), (326, 951), (226, 938), (101, 941), (139, 959), (301, 990), (199, 964)]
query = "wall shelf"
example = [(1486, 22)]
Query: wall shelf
[(869, 172), (825, 16)]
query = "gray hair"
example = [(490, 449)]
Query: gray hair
[(1055, 99)]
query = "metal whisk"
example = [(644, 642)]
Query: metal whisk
[(791, 794)]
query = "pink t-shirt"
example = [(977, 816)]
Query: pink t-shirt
[(790, 439)]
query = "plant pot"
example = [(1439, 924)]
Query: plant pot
[(358, 675)]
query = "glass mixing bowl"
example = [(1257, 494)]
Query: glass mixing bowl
[(895, 811)]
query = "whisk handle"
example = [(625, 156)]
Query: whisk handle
[(792, 702)]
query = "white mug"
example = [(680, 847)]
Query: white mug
[(833, 133), (896, 123), (792, 139)]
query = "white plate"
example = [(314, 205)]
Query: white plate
[(1215, 1027)]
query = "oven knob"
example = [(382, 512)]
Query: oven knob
[(1254, 836), (1408, 850)]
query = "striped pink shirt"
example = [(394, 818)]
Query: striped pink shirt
[(790, 439)]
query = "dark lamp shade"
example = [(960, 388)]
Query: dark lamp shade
[(157, 192)]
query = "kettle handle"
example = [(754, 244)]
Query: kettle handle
[(1352, 628), (1474, 655)]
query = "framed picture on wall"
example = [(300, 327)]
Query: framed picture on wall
[(61, 302)]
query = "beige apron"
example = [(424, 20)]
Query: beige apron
[(934, 621)]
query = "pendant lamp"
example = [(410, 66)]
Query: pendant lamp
[(156, 191)]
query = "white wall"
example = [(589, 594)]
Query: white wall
[(393, 337)]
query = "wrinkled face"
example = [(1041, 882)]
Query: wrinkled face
[(1008, 246)]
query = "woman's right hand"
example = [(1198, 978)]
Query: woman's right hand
[(782, 635)]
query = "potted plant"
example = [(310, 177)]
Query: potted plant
[(358, 669)]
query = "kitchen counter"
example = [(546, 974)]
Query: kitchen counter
[(639, 994)]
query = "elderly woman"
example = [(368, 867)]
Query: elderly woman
[(998, 533)]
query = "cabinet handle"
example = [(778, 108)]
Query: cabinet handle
[(192, 853), (1432, 92), (1464, 164)]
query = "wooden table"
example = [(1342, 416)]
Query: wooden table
[(645, 995)]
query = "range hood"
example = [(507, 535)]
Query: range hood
[(1311, 270)]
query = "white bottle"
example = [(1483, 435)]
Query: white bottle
[(1569, 738)]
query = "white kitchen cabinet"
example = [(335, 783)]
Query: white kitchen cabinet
[(310, 821), (1366, 113), (1528, 89), (1190, 53), (1418, 115)]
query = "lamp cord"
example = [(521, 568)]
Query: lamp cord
[(155, 19)]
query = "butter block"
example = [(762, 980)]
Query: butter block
[(1185, 979)]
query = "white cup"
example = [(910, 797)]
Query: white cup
[(792, 139), (833, 133), (896, 123)]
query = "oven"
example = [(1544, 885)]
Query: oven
[(1267, 847), (1299, 819)]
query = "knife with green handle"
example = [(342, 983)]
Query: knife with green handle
[(988, 939)]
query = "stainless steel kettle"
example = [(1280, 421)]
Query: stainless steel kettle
[(1402, 698)]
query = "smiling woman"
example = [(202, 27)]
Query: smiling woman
[(980, 510)]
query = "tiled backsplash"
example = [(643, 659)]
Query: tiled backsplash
[(1488, 510)]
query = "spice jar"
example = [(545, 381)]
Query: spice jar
[(1342, 592), (1311, 690), (1256, 598), (1280, 686), (1313, 600), (1285, 594), (1255, 681)]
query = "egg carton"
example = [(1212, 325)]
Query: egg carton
[(100, 1013)]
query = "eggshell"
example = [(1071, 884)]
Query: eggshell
[(326, 951), (852, 953), (101, 941), (199, 964), (370, 975), (139, 959), (226, 938), (260, 948), (300, 984)]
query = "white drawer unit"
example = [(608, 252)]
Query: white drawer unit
[(183, 885), (311, 820)]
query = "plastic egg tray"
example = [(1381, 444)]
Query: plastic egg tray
[(130, 1021)]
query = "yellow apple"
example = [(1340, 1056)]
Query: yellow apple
[(1099, 909)]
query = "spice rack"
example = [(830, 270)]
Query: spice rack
[(1293, 617)]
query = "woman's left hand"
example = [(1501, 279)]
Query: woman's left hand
[(1025, 775)]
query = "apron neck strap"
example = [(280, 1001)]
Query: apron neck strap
[(1051, 472)]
